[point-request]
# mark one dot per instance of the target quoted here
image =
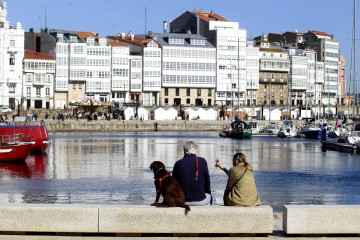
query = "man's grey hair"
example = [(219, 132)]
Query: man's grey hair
[(190, 147)]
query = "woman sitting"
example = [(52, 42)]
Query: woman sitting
[(240, 187)]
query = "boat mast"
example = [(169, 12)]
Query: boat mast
[(354, 53), (238, 72)]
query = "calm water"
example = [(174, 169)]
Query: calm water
[(113, 168)]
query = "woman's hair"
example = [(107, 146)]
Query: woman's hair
[(242, 159), (190, 147)]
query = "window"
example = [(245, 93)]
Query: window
[(177, 92), (265, 76), (73, 39), (199, 92), (272, 94), (47, 92), (28, 91), (12, 59), (264, 94), (166, 100), (248, 93), (188, 101), (12, 43), (74, 87), (176, 41), (209, 92), (38, 91), (188, 92), (80, 88), (166, 92), (272, 77)]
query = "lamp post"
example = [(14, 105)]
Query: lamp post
[(18, 106)]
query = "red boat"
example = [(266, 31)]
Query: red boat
[(14, 148), (38, 134)]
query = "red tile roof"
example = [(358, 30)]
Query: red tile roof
[(117, 44), (84, 35), (209, 16), (276, 34), (138, 41), (320, 33), (28, 54)]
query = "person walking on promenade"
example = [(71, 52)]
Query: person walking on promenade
[(193, 175), (240, 188)]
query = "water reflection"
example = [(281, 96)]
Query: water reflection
[(113, 168)]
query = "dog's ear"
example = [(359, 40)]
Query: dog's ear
[(151, 165)]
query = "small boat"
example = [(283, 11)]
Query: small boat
[(37, 133), (287, 130), (312, 131), (237, 129), (271, 129), (14, 147)]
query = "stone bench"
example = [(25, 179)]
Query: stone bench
[(135, 219), (321, 219)]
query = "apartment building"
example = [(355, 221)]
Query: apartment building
[(327, 49), (145, 85), (38, 80), (188, 69), (252, 73), (11, 55), (231, 57), (274, 68)]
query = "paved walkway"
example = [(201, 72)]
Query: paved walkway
[(277, 234)]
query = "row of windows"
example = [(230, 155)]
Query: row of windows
[(100, 74), (152, 54), (333, 55), (37, 91), (329, 70), (97, 86), (152, 74), (152, 84), (47, 66), (98, 51), (152, 64), (98, 62), (188, 92), (62, 61), (232, 57), (120, 61), (120, 50), (299, 72), (189, 66), (120, 84), (120, 72), (189, 53), (118, 95), (188, 79), (77, 61), (299, 60), (275, 64)]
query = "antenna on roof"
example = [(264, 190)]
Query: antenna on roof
[(145, 16), (45, 16), (40, 21)]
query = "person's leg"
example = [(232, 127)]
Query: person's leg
[(206, 201)]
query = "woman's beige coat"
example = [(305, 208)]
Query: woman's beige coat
[(244, 193)]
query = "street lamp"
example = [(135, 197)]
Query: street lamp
[(18, 106)]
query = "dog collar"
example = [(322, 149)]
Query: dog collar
[(161, 179)]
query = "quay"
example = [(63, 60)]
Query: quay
[(114, 125)]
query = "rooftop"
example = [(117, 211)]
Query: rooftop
[(209, 16), (28, 54)]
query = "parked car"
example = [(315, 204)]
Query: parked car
[(6, 110)]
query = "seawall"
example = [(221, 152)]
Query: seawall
[(132, 125)]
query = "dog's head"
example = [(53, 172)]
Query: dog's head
[(156, 165)]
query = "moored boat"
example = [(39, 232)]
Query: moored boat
[(14, 148), (237, 129), (287, 130), (37, 133)]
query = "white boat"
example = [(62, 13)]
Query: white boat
[(271, 129), (287, 130)]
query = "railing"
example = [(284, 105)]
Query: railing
[(14, 139)]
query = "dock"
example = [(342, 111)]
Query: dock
[(340, 147)]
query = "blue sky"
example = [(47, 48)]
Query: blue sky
[(108, 17)]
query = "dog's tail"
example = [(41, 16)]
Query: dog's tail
[(186, 207)]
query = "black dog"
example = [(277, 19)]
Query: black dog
[(168, 187)]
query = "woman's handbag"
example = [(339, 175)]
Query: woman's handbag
[(226, 193)]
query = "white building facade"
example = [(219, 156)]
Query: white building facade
[(38, 80), (231, 58), (11, 61)]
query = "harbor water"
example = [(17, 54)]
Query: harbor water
[(113, 168)]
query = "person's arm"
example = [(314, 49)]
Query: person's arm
[(207, 179), (219, 165)]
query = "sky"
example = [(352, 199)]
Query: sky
[(109, 17)]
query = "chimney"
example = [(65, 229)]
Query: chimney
[(122, 35), (164, 26), (132, 37), (31, 30)]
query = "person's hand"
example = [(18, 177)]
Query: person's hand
[(218, 163)]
